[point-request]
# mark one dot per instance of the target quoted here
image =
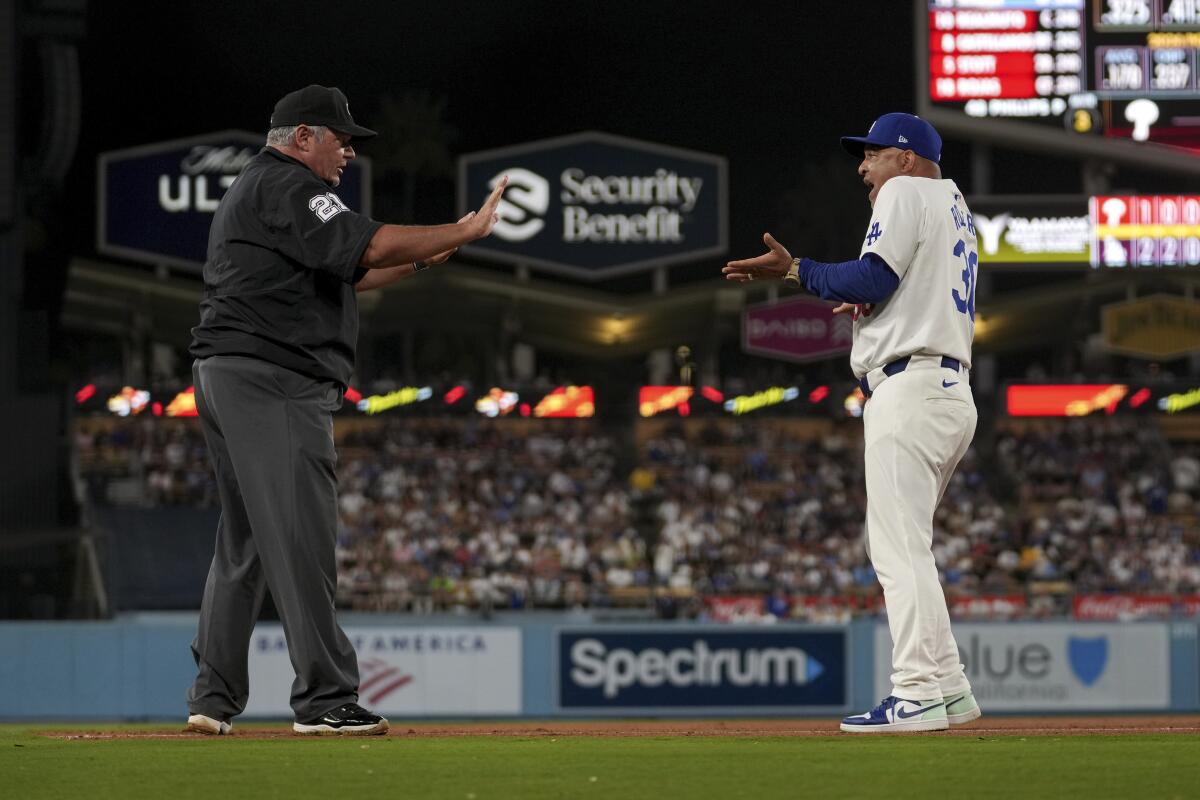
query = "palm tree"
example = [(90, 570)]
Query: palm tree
[(415, 145)]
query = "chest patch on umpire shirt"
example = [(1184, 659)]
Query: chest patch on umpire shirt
[(326, 206)]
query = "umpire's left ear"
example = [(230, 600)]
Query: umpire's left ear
[(304, 137)]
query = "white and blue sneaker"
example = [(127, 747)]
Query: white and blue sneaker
[(962, 708), (897, 715)]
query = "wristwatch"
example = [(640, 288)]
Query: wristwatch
[(793, 274)]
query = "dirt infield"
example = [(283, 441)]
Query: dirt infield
[(986, 727)]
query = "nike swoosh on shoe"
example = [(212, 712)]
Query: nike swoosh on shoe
[(918, 712)]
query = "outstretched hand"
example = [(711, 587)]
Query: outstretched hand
[(773, 264), (481, 223)]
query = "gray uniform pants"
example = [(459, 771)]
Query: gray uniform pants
[(270, 440)]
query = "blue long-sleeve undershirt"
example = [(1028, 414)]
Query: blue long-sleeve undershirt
[(865, 280)]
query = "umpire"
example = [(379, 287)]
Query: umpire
[(274, 353)]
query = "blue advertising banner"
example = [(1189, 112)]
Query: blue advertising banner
[(593, 205), (155, 202), (699, 668)]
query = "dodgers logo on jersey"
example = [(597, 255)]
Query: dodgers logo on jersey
[(874, 234)]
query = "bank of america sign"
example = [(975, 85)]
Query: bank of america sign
[(593, 205)]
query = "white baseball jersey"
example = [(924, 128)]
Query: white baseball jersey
[(922, 228)]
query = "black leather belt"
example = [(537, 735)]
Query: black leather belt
[(901, 364)]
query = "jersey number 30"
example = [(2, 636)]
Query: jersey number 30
[(965, 302)]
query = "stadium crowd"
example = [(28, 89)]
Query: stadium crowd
[(457, 513)]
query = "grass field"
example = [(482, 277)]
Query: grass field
[(480, 767)]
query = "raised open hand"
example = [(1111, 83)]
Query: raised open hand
[(773, 264), (482, 222)]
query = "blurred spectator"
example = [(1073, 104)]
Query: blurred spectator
[(444, 514)]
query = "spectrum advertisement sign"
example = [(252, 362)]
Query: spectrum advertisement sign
[(407, 672), (700, 669), (593, 205), (1055, 667)]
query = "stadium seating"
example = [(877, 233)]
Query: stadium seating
[(440, 514)]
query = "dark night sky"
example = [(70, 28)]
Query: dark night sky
[(769, 85)]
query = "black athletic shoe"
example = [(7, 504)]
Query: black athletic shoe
[(348, 720)]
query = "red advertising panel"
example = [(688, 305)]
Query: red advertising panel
[(567, 401), (1064, 400), (183, 404), (988, 606), (735, 608), (797, 329), (1120, 607), (657, 399)]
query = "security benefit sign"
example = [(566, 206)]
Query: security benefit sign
[(594, 206), (1053, 667), (156, 201), (643, 670), (797, 329), (405, 671)]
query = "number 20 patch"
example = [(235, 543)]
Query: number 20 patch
[(326, 206)]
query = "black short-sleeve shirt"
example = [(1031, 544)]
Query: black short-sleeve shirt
[(283, 258)]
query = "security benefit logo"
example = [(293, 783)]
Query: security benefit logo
[(594, 205), (524, 204), (665, 195), (701, 669)]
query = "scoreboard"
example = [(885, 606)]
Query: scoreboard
[(1122, 69), (1145, 231)]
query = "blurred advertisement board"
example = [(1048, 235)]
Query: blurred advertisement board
[(405, 671), (1082, 399), (1032, 231), (1064, 400), (797, 329), (572, 402), (155, 202), (1158, 327), (1126, 607), (592, 205), (1055, 667), (654, 400), (646, 670)]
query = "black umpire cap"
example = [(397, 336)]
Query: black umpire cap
[(318, 105)]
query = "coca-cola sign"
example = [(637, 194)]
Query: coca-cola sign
[(157, 201), (1125, 607), (798, 329)]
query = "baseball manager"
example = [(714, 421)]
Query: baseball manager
[(912, 295), (274, 352)]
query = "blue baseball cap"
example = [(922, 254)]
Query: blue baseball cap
[(905, 131)]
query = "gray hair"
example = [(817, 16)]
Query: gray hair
[(285, 134)]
